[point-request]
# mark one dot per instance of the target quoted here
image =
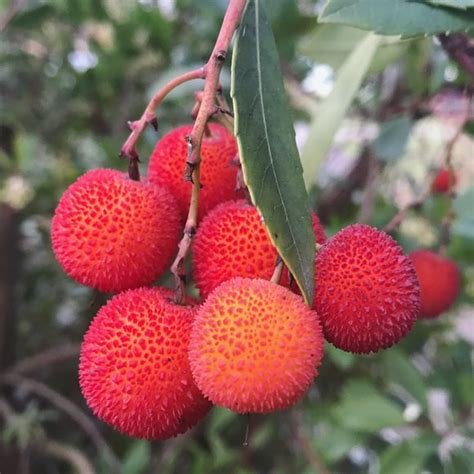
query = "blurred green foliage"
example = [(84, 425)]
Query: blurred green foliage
[(72, 73)]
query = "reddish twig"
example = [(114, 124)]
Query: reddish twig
[(148, 117), (207, 108), (10, 12), (401, 214), (312, 456)]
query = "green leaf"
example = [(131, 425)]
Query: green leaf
[(408, 457), (334, 442), (392, 139), (267, 146), (362, 408), (399, 370), (331, 112), (137, 458), (396, 17), (332, 44), (461, 4)]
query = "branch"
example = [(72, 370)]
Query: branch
[(312, 456), (46, 358), (460, 48), (206, 109), (367, 205), (63, 404), (401, 214), (67, 453), (451, 194), (62, 451), (13, 9)]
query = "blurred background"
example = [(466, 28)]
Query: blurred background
[(72, 73)]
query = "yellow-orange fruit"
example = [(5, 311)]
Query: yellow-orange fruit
[(134, 371), (367, 294), (112, 233), (440, 282), (232, 242), (218, 174), (255, 346)]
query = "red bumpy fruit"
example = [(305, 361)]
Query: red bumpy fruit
[(217, 172), (112, 233), (367, 294), (134, 370), (443, 182), (255, 346), (233, 242), (439, 280)]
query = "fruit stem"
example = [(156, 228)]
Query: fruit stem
[(206, 110), (278, 271), (128, 149)]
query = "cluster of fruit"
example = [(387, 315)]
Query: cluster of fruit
[(153, 368)]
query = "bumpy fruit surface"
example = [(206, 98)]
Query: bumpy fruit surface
[(443, 182), (255, 346), (439, 280), (367, 294), (218, 174), (112, 233), (134, 370), (233, 242)]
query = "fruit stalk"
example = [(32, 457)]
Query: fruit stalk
[(129, 149), (206, 110)]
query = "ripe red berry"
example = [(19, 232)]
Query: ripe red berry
[(444, 181), (255, 346), (218, 174), (439, 280), (367, 294), (134, 371), (233, 242), (112, 233)]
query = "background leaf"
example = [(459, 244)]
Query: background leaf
[(137, 458), (396, 17), (332, 44), (402, 372), (407, 457), (462, 4), (392, 139), (331, 112), (362, 408), (267, 146)]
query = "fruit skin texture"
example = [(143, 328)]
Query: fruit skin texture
[(134, 371), (111, 233), (218, 174), (233, 242), (255, 346), (443, 182), (439, 280), (367, 294)]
